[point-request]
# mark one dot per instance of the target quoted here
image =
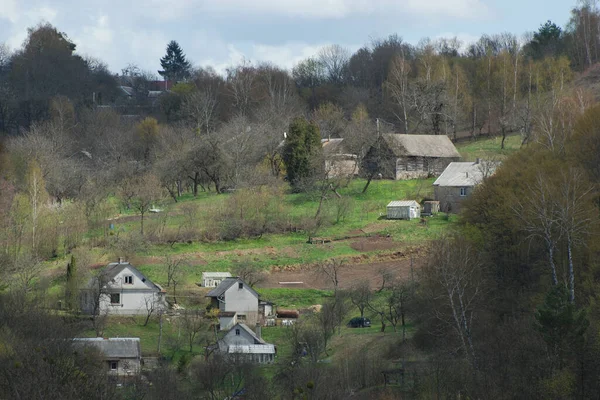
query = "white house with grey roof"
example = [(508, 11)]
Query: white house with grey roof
[(120, 289), (403, 209), (458, 181), (237, 302), (122, 356), (243, 343)]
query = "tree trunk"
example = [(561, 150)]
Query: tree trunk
[(571, 271)]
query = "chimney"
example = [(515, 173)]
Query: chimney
[(120, 260), (284, 135), (478, 160), (467, 174), (258, 330)]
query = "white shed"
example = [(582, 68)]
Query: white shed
[(214, 279), (404, 209)]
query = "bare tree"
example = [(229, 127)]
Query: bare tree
[(453, 282), (146, 192), (194, 324), (174, 266), (250, 273), (330, 269), (334, 59), (574, 216), (360, 294), (151, 305), (540, 220), (201, 108)]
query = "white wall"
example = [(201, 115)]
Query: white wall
[(242, 301)]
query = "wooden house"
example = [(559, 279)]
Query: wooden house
[(400, 156)]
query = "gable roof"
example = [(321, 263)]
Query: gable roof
[(215, 275), (115, 268), (113, 347), (465, 173), (420, 145), (245, 327), (335, 147), (226, 284), (403, 203)]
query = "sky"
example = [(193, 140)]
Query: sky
[(221, 33)]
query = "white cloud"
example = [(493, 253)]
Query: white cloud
[(317, 9), (9, 10)]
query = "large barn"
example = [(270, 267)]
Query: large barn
[(400, 156)]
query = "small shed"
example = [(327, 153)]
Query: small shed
[(213, 279), (403, 209), (431, 207)]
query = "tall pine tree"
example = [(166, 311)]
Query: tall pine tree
[(174, 64)]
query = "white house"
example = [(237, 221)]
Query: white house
[(234, 296), (123, 290), (404, 209), (213, 279), (122, 356), (243, 343)]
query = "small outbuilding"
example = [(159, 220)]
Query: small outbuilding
[(214, 279), (403, 209)]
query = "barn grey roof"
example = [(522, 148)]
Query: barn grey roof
[(113, 347), (420, 145), (466, 173), (403, 203), (226, 284)]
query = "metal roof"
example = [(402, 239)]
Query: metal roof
[(113, 347), (226, 284), (215, 275), (252, 349), (461, 174), (403, 203)]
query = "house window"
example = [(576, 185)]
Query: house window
[(241, 317), (115, 298), (463, 191), (129, 279), (113, 365), (240, 285), (237, 332)]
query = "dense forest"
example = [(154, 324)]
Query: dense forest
[(505, 303)]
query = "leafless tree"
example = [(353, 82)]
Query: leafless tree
[(144, 192), (201, 108), (194, 325), (334, 59), (453, 281), (536, 210), (241, 81), (330, 269), (574, 216), (250, 273), (360, 294), (174, 266)]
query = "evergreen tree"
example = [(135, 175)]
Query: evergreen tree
[(301, 148), (175, 66)]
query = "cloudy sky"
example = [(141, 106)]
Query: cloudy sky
[(223, 32)]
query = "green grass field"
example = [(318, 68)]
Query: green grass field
[(487, 148)]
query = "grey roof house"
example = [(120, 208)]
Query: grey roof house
[(234, 295), (400, 156), (458, 181), (122, 356), (243, 342), (121, 289)]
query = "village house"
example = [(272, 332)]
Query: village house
[(458, 181), (246, 345), (339, 161), (213, 279), (238, 302), (122, 290), (122, 356), (400, 156)]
